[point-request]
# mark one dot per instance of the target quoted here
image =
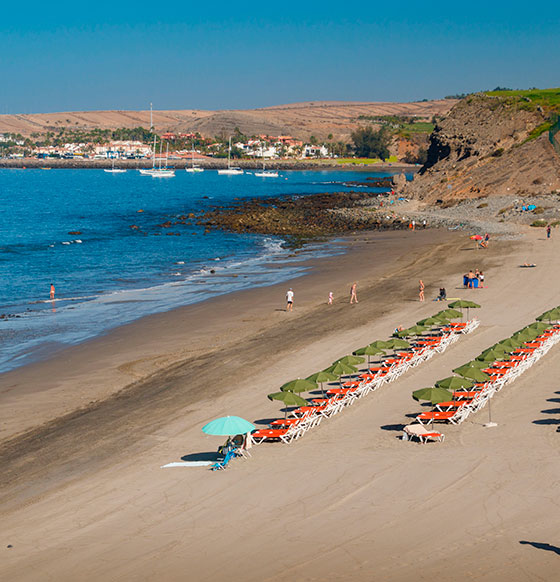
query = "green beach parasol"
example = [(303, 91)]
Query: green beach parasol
[(381, 344), (397, 343), (449, 314), (474, 365), (368, 351), (475, 374), (289, 399), (550, 315), (321, 378), (299, 385), (454, 383), (433, 395), (493, 356), (434, 320), (350, 360)]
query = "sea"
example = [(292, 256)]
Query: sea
[(97, 237)]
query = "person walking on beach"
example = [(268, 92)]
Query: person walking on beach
[(353, 293), (290, 299), (548, 229), (52, 291), (413, 225), (421, 290), (331, 298)]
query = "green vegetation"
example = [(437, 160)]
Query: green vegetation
[(403, 125), (539, 130), (366, 161), (369, 143), (530, 99), (539, 223)]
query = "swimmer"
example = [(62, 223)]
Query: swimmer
[(52, 291)]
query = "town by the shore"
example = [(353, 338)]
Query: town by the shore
[(85, 433)]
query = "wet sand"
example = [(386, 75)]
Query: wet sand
[(83, 496)]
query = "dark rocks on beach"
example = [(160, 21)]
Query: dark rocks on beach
[(299, 217)]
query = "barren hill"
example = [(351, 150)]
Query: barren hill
[(300, 120), (489, 145)]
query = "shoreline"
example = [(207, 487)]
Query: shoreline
[(140, 358), (208, 164)]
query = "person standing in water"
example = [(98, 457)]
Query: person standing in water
[(421, 290), (290, 299), (52, 291), (353, 293)]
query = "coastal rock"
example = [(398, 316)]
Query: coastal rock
[(484, 147), (399, 181)]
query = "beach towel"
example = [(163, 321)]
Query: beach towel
[(187, 464)]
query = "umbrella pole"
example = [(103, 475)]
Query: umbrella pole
[(490, 424)]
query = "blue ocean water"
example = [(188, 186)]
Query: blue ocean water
[(111, 274)]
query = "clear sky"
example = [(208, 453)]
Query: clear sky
[(84, 55)]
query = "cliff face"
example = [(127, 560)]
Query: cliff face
[(482, 148)]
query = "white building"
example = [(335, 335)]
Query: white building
[(310, 151)]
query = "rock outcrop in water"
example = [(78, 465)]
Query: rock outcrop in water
[(487, 146)]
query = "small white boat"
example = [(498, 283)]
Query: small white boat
[(114, 170), (266, 173), (230, 171), (163, 173), (195, 168), (233, 171)]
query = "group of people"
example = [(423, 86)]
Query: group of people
[(412, 224), (473, 279), (330, 300)]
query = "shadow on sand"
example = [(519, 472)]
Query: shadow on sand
[(541, 546), (214, 456)]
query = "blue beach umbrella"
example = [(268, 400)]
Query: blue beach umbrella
[(228, 426)]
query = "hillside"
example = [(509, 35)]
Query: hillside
[(491, 144), (300, 120)]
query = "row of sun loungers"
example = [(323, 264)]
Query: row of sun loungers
[(336, 399), (501, 372)]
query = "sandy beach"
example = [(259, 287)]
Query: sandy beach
[(84, 434)]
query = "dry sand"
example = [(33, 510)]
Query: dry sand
[(84, 498)]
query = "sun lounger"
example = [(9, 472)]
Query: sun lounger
[(423, 434)]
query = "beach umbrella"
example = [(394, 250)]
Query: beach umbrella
[(538, 326), (339, 369), (397, 343), (510, 343), (498, 348), (299, 385), (289, 399), (464, 304), (350, 360), (493, 355), (525, 335), (433, 395), (381, 344), (322, 377), (474, 365), (454, 383), (433, 320), (449, 314), (550, 315), (228, 426), (475, 374), (368, 351), (403, 333)]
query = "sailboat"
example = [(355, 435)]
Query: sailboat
[(230, 171), (149, 172), (114, 170), (163, 172), (194, 167), (266, 173)]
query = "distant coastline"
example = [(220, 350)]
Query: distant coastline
[(210, 164)]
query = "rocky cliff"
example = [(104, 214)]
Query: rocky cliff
[(488, 146)]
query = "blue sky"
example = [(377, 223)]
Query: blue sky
[(217, 55)]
